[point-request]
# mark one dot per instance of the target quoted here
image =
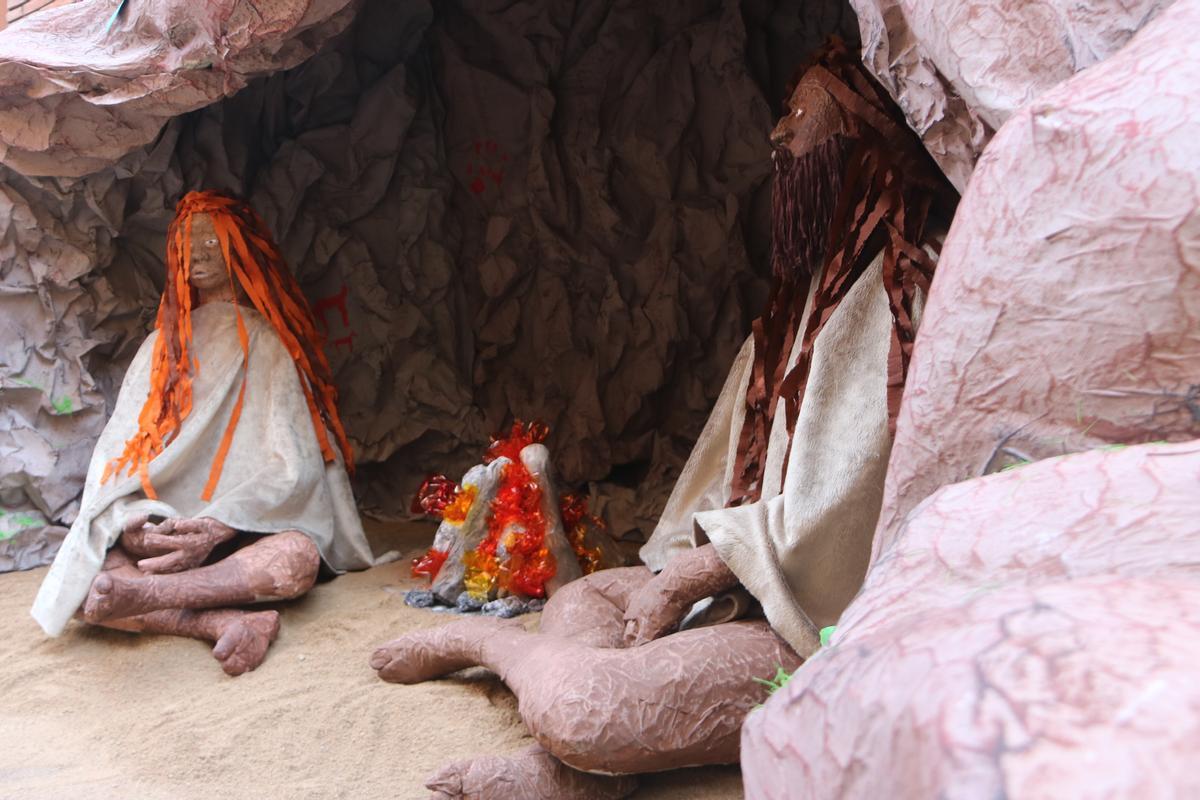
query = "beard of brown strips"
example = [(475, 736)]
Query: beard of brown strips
[(803, 202)]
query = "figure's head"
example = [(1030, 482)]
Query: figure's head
[(812, 118), (217, 240), (208, 268), (836, 116)]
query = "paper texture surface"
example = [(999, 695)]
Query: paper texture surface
[(1064, 311), (961, 68), (1041, 623), (1014, 635)]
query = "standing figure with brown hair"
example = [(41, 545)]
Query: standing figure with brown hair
[(652, 668), (221, 478)]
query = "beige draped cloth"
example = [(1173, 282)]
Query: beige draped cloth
[(802, 549), (274, 478)]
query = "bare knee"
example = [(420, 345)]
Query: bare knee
[(286, 565), (611, 586)]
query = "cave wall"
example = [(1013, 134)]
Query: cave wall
[(550, 210)]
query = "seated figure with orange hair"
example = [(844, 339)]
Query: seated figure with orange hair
[(221, 477)]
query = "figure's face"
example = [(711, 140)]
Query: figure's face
[(208, 265), (813, 118)]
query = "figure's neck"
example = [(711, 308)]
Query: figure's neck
[(220, 294)]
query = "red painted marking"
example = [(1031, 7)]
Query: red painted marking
[(481, 172), (333, 301), (346, 340)]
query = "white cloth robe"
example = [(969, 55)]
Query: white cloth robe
[(802, 549)]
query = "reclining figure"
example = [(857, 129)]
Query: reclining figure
[(780, 495), (221, 477)]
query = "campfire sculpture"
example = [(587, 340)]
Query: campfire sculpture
[(507, 538)]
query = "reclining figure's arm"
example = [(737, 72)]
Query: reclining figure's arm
[(661, 603)]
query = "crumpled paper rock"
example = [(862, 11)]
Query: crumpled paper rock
[(549, 211), (961, 68), (1029, 634), (1065, 313), (100, 92), (27, 539)]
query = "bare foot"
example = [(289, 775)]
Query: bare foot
[(424, 655), (244, 642), (532, 774), (111, 597)]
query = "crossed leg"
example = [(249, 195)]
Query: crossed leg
[(591, 705), (277, 567)]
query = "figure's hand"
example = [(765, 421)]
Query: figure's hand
[(177, 544), (660, 604), (654, 610), (133, 537)]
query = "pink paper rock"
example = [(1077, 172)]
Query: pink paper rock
[(1065, 313), (961, 68), (1030, 634)]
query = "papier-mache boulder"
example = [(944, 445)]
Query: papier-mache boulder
[(1065, 312), (1032, 634), (961, 68)]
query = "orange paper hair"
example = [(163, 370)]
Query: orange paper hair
[(254, 262)]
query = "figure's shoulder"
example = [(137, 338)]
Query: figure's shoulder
[(265, 342), (145, 351)]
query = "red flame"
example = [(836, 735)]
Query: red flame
[(520, 436), (429, 564), (435, 494), (516, 521)]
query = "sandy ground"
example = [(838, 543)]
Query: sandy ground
[(104, 714)]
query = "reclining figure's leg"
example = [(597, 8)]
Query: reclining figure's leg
[(277, 567), (241, 637), (591, 610), (532, 774), (608, 709)]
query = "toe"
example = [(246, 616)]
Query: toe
[(224, 646), (446, 783), (234, 667), (381, 658), (394, 671), (96, 604), (232, 650)]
